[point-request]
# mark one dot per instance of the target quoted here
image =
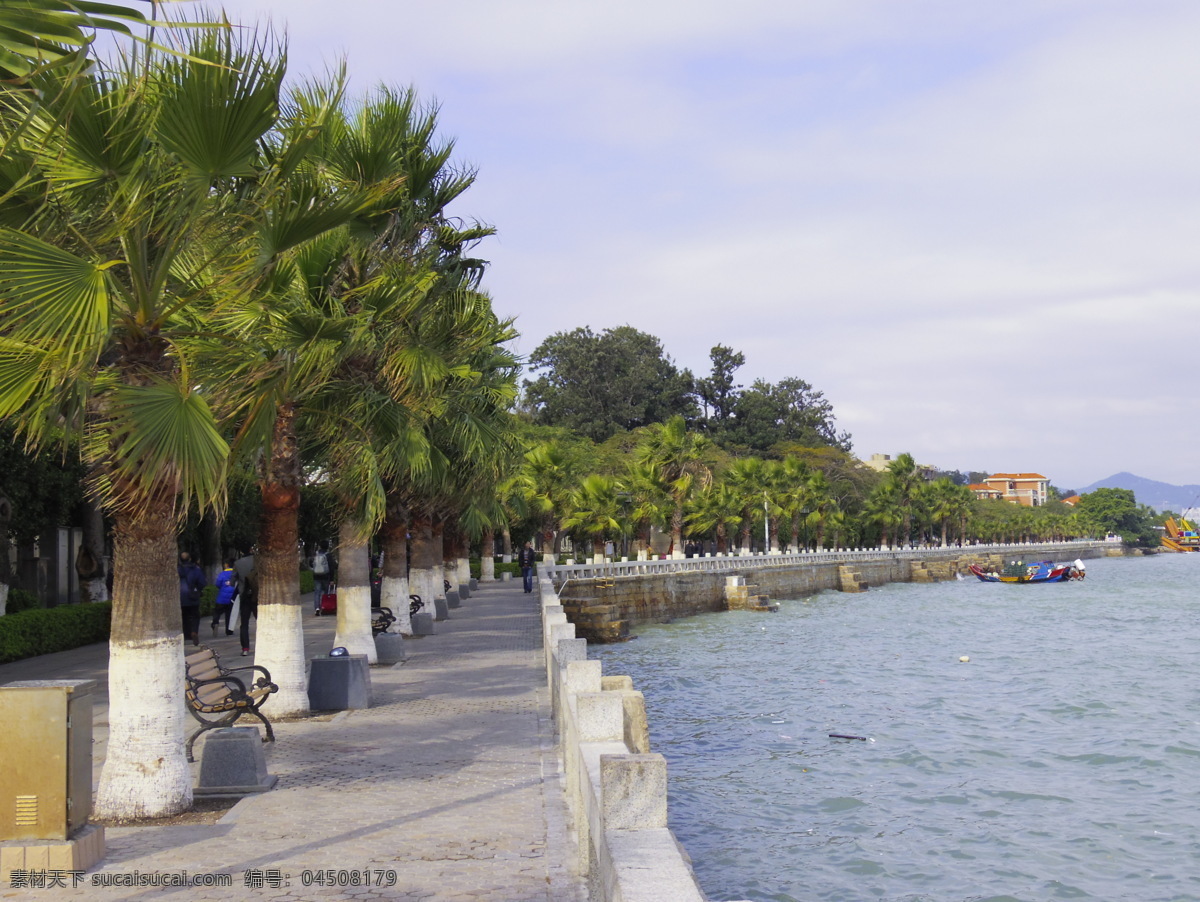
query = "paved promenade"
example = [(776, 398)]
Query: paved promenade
[(447, 788)]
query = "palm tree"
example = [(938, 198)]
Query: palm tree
[(905, 480), (823, 506), (548, 479), (104, 285), (36, 35), (647, 503), (746, 479), (716, 511), (595, 512), (883, 511), (675, 453)]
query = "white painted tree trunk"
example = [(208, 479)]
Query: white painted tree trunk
[(145, 772), (354, 622), (393, 594), (487, 568), (464, 571), (3, 599), (424, 582), (449, 575), (94, 590), (279, 647)]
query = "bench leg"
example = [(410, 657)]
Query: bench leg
[(266, 723)]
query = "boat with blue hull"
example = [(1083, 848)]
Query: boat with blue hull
[(1039, 572)]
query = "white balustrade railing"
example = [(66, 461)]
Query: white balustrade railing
[(559, 573)]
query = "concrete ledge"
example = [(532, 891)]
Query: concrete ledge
[(422, 624), (453, 598), (616, 788), (441, 609)]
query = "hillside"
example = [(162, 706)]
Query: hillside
[(1159, 495)]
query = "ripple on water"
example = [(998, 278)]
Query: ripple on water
[(1059, 763)]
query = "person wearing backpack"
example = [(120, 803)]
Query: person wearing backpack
[(322, 574), (191, 582)]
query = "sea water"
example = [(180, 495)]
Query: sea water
[(1062, 761)]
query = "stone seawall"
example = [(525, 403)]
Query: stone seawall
[(605, 600)]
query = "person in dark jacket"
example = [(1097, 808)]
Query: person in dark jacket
[(191, 582), (525, 560)]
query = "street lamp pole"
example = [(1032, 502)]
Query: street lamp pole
[(766, 525)]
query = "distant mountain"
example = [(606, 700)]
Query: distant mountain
[(1159, 495)]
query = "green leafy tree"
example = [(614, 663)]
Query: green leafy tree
[(790, 410), (596, 385), (1116, 511), (718, 391)]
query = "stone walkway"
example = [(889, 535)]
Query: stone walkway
[(447, 788)]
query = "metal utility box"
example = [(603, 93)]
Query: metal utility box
[(46, 758)]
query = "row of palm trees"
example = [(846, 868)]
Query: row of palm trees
[(774, 505), (201, 269)]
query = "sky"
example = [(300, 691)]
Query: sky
[(974, 226)]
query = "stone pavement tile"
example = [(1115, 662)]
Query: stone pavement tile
[(448, 787)]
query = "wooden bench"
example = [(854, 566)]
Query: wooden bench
[(217, 698), (381, 620)]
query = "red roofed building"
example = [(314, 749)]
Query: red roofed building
[(1026, 489), (985, 491)]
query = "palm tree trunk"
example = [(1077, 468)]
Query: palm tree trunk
[(145, 772), (506, 548), (354, 593), (487, 556), (438, 547), (394, 587), (280, 641), (210, 547), (421, 579), (92, 586), (677, 531)]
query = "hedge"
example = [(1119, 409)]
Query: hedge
[(45, 630)]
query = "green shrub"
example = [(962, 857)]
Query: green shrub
[(208, 601), (306, 582), (21, 600), (46, 630)]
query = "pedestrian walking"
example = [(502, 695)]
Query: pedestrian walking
[(525, 560)]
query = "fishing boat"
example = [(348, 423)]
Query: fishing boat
[(1039, 572), (1180, 535)]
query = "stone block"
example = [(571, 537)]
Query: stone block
[(232, 762), (453, 599), (422, 624), (633, 791), (441, 609), (600, 717), (389, 648), (505, 576), (473, 584), (571, 650), (338, 684)]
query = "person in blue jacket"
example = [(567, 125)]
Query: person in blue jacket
[(227, 590)]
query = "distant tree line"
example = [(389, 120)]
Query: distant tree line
[(622, 379)]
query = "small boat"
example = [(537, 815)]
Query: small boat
[(1040, 572)]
